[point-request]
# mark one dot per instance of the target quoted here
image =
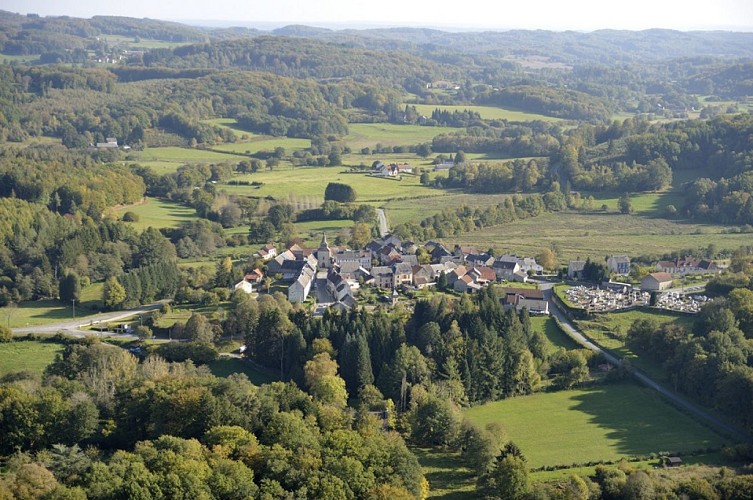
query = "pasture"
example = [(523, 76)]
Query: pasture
[(40, 312), (182, 156), (599, 423), (226, 366), (579, 234), (27, 355), (362, 135), (308, 184), (487, 112), (158, 213)]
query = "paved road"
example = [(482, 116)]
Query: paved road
[(675, 398), (383, 228), (75, 327)]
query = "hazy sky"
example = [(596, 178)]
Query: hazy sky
[(501, 14)]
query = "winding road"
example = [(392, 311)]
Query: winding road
[(75, 327), (383, 228), (672, 396)]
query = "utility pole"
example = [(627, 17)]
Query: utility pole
[(73, 301)]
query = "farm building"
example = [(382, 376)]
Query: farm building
[(656, 281)]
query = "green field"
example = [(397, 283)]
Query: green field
[(182, 156), (449, 478), (40, 312), (142, 43), (27, 355), (601, 423), (227, 366), (487, 112), (554, 334), (362, 135), (307, 185), (578, 234), (159, 214)]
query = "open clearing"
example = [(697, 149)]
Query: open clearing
[(600, 423), (27, 355), (576, 234), (159, 214), (303, 182), (487, 112), (363, 135)]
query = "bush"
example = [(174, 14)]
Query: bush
[(5, 334), (130, 217)]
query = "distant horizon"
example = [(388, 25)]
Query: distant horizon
[(360, 25), (481, 15)]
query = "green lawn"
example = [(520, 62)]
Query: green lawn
[(361, 135), (554, 334), (306, 185), (487, 112), (578, 234), (448, 477), (181, 156), (27, 355), (41, 312), (227, 366), (600, 423), (159, 213)]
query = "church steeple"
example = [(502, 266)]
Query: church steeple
[(324, 254)]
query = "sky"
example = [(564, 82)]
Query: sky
[(558, 15)]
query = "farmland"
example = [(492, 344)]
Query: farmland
[(603, 423), (577, 234), (27, 355), (158, 213), (487, 112)]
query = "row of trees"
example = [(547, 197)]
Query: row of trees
[(713, 362)]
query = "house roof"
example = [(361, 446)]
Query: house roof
[(528, 293), (620, 258), (403, 268), (504, 264), (576, 265), (661, 277), (486, 273)]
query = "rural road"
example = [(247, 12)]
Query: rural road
[(383, 228), (672, 396), (74, 326)]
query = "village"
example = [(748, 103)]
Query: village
[(330, 276)]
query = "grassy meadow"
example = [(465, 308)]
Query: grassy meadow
[(27, 355), (600, 423), (362, 135), (487, 112), (158, 213), (577, 234), (303, 182)]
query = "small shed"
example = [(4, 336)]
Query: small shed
[(672, 461)]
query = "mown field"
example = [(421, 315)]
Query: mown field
[(158, 213), (362, 135), (600, 423), (577, 234), (27, 355), (487, 112), (308, 184)]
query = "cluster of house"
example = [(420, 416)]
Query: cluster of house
[(391, 170), (392, 264), (657, 281)]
